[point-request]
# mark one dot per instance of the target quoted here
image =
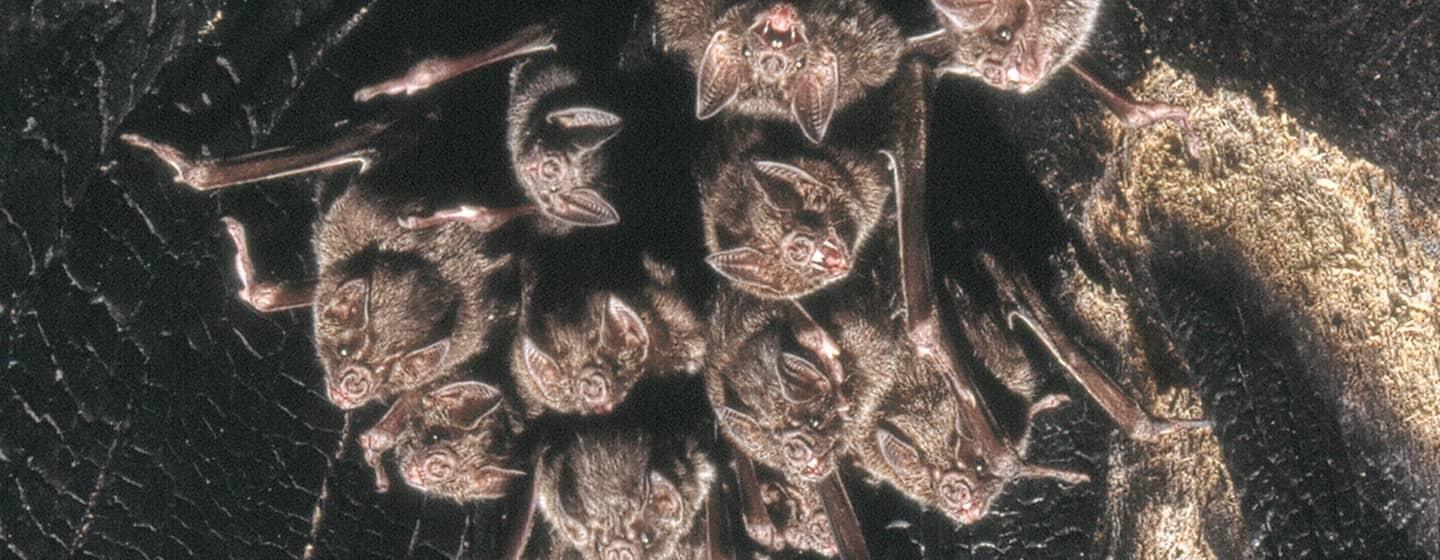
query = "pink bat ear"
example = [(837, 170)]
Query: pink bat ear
[(421, 365), (813, 101), (463, 405), (543, 370), (967, 15), (745, 267), (350, 306), (745, 432), (800, 380), (623, 332), (589, 127), (783, 186), (719, 77), (493, 482), (582, 207), (902, 458)]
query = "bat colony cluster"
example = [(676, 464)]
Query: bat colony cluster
[(820, 342)]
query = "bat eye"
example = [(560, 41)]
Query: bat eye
[(814, 423), (1003, 34), (800, 63), (344, 351), (745, 51)]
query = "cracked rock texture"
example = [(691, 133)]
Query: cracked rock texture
[(146, 413)]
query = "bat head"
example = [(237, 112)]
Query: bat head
[(561, 171), (460, 446), (800, 516), (806, 241), (794, 423), (1014, 44), (382, 332), (934, 467), (593, 362), (609, 498), (771, 57)]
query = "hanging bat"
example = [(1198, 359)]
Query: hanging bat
[(1018, 45), (781, 224), (962, 469), (799, 61), (780, 515), (586, 362), (772, 398), (620, 495), (456, 441), (393, 308)]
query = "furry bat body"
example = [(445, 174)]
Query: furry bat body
[(620, 495), (798, 61)]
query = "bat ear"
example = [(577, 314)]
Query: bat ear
[(785, 186), (543, 370), (902, 458), (800, 380), (463, 405), (421, 365), (745, 267), (813, 101), (588, 127), (662, 499), (350, 307), (494, 482), (718, 79), (582, 207), (745, 431), (966, 15), (622, 331)]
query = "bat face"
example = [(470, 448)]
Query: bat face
[(591, 365), (558, 153), (1015, 44), (380, 333), (799, 516), (770, 57), (610, 497), (913, 439), (803, 221), (560, 169), (943, 479), (775, 405), (459, 446)]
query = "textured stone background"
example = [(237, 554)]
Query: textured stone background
[(144, 412)]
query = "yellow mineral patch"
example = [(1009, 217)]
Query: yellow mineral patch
[(1326, 235)]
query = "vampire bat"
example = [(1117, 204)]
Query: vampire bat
[(621, 495), (779, 514), (556, 145), (773, 398), (456, 441), (394, 309), (800, 61), (930, 435), (783, 223), (584, 357), (1017, 45)]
